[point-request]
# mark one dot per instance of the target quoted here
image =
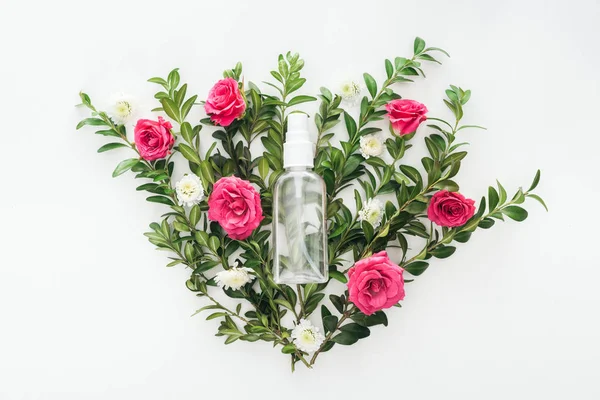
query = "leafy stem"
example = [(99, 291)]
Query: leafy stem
[(347, 312)]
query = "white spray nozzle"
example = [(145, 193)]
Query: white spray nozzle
[(298, 150), (297, 124)]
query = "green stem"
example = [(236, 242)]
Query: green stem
[(284, 341), (345, 315), (429, 247), (301, 301)]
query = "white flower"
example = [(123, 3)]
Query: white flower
[(371, 146), (350, 91), (189, 190), (372, 212), (234, 278), (122, 108), (307, 336)]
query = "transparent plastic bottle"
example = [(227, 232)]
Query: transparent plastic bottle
[(299, 204)]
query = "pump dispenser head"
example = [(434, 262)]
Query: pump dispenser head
[(298, 150)]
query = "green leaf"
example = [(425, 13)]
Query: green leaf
[(330, 323), (309, 289), (368, 230), (350, 125), (345, 338), (313, 302), (205, 266), (416, 268), (371, 84), (438, 49), (284, 303), (419, 45), (416, 207), (202, 238), (379, 318), (189, 153), (180, 227), (427, 57), (515, 212), (471, 126), (389, 69), (492, 198), (160, 81), (160, 199), (538, 198), (263, 168), (174, 263), (337, 303), (108, 132), (195, 215), (85, 99), (91, 122), (300, 99), (180, 95), (448, 185), (338, 276), (214, 243), (170, 108), (232, 339), (359, 331), (486, 223), (292, 86), (480, 209), (124, 166), (412, 173), (207, 171), (502, 192), (173, 78), (462, 237), (187, 106), (433, 149), (443, 252), (536, 180), (147, 186), (186, 132), (110, 146), (216, 315), (288, 349), (277, 76), (454, 157)]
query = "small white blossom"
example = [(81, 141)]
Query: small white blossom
[(234, 278), (307, 336), (189, 190), (372, 212), (122, 108), (350, 92), (371, 146)]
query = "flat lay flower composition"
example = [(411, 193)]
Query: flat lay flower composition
[(219, 202)]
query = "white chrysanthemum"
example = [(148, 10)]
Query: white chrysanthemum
[(122, 108), (189, 190), (307, 336), (372, 212), (350, 91), (234, 278), (371, 145)]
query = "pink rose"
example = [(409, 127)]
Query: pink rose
[(153, 139), (406, 115), (450, 209), (375, 283), (235, 205), (225, 103)]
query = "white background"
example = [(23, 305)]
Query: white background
[(88, 310)]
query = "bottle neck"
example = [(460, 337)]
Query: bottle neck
[(301, 168)]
